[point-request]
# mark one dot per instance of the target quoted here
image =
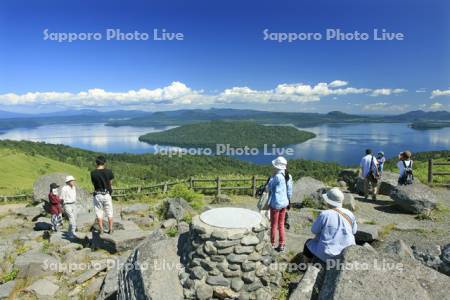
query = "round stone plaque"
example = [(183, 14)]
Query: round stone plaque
[(231, 217)]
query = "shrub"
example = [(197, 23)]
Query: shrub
[(182, 191)]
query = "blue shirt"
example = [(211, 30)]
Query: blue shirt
[(279, 192), (333, 233)]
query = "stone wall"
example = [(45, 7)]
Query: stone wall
[(230, 263)]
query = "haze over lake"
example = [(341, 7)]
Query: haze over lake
[(341, 143)]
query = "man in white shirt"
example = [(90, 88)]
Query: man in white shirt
[(369, 171), (69, 197)]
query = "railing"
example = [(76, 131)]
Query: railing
[(432, 173), (218, 186)]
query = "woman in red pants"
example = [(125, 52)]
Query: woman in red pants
[(280, 192)]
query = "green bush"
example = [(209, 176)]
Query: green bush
[(182, 191)]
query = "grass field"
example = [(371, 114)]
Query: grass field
[(20, 170)]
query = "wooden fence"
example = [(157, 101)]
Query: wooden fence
[(218, 185), (432, 173)]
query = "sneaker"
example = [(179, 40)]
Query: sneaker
[(281, 248)]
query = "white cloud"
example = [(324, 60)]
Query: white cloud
[(386, 92), (421, 90), (440, 93), (338, 83), (178, 93), (436, 106), (385, 107)]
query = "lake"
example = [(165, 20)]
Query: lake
[(341, 143)]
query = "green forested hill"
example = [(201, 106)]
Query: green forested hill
[(236, 134)]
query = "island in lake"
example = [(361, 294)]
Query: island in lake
[(237, 134)]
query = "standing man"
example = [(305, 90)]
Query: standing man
[(369, 171), (102, 178), (69, 198)]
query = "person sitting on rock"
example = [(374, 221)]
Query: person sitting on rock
[(334, 229), (69, 198), (55, 207), (280, 193), (405, 165), (101, 179)]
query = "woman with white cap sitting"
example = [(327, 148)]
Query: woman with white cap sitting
[(280, 192), (334, 229)]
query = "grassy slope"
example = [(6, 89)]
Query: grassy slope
[(19, 170), (236, 134)]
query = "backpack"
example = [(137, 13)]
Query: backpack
[(373, 176), (408, 176)]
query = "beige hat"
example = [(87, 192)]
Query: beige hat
[(280, 163), (70, 178), (334, 197)]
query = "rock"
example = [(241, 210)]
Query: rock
[(41, 190), (87, 275), (400, 248), (6, 289), (237, 284), (359, 186), (220, 199), (349, 176), (30, 213), (93, 288), (225, 293), (35, 264), (387, 183), (217, 280), (349, 202), (169, 223), (366, 233), (177, 208), (204, 292), (43, 224), (43, 288), (135, 209), (304, 290), (445, 258), (110, 284), (160, 279), (119, 240), (399, 278), (236, 259), (249, 240), (198, 273), (307, 188), (415, 198)]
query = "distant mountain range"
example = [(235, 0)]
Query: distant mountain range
[(10, 120)]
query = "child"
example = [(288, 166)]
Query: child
[(381, 160), (55, 206)]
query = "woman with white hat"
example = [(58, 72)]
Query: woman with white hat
[(334, 229), (280, 192)]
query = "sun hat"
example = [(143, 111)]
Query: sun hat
[(381, 153), (334, 197), (70, 178), (280, 163)]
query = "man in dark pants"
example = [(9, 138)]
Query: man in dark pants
[(102, 178)]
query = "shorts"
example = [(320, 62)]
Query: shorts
[(103, 206)]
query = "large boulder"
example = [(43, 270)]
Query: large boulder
[(307, 188), (159, 279), (126, 236), (177, 208), (364, 274), (388, 182), (41, 190), (414, 198), (349, 176), (366, 233)]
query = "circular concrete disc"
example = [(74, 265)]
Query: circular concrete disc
[(231, 217)]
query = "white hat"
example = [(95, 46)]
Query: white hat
[(334, 197), (280, 163), (69, 179)]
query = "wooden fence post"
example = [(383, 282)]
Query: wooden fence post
[(430, 171), (165, 188), (218, 186), (254, 185), (139, 189), (191, 182)]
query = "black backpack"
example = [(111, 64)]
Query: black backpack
[(408, 175)]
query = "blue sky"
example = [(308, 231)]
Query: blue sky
[(223, 59)]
